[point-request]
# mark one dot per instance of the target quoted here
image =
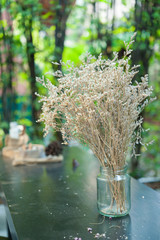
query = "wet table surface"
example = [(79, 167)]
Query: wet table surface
[(57, 202)]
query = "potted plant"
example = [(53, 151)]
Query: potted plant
[(100, 104)]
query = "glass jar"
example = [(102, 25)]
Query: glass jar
[(113, 191)]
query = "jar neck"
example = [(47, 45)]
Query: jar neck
[(117, 170)]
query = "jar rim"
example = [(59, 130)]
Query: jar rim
[(115, 168)]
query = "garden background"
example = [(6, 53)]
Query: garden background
[(34, 33)]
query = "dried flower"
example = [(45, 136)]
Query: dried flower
[(89, 230), (99, 104), (97, 235)]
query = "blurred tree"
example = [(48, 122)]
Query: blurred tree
[(57, 13), (28, 13), (6, 61), (147, 22), (62, 12), (102, 26)]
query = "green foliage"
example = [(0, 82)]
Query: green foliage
[(68, 53), (4, 126), (1, 132), (24, 121)]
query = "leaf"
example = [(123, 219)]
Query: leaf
[(3, 23), (157, 55), (105, 1), (47, 15), (23, 76), (25, 121), (1, 35), (158, 32), (124, 2), (1, 132)]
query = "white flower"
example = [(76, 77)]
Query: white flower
[(98, 104)]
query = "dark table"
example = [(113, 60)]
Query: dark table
[(3, 220), (57, 202)]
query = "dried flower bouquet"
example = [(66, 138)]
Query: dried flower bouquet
[(99, 104)]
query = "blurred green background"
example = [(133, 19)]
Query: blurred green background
[(33, 33)]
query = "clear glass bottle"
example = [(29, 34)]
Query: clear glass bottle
[(113, 191)]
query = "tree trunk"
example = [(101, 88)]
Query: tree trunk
[(6, 59), (31, 64), (60, 33), (62, 15), (141, 55)]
